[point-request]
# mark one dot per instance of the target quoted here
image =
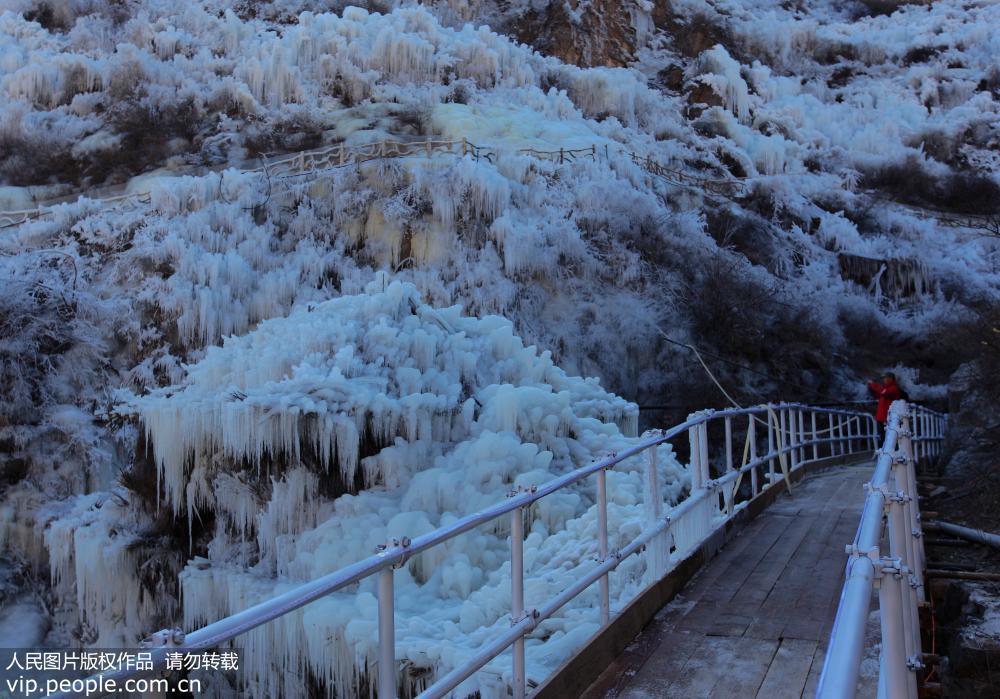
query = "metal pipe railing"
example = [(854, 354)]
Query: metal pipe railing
[(890, 512), (787, 447)]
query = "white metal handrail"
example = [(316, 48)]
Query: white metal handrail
[(794, 436), (891, 508)]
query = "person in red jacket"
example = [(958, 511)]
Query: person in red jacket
[(886, 390)]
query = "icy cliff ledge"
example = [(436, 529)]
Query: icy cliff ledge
[(319, 436)]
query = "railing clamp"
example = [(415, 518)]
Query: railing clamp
[(916, 533), (900, 458), (889, 566), (904, 432), (615, 555), (914, 581), (526, 614), (913, 663), (889, 497), (169, 638), (521, 490), (394, 543), (898, 497), (872, 554)]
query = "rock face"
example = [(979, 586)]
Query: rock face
[(598, 33), (592, 33), (968, 631)]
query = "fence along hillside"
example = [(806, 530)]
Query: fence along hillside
[(317, 162)]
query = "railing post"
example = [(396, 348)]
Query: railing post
[(770, 446), (517, 596), (815, 444), (873, 427), (925, 430), (921, 419), (654, 501), (729, 494), (602, 533), (938, 433), (832, 443), (386, 636), (694, 441), (841, 450), (802, 434), (706, 474), (908, 481), (900, 550), (658, 547), (851, 432), (792, 459), (893, 657), (752, 432)]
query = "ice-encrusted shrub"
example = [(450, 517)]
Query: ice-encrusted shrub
[(61, 15), (742, 313), (294, 129), (51, 350), (912, 182), (754, 239), (885, 7), (33, 159)]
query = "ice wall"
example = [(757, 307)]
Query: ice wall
[(421, 415)]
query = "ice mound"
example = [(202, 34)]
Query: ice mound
[(319, 436)]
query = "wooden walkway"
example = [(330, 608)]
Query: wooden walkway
[(755, 621)]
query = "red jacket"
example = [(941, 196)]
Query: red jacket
[(886, 394)]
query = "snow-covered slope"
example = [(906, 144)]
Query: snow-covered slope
[(844, 129)]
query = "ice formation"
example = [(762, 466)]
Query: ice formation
[(390, 418)]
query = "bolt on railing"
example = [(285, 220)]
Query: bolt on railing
[(890, 513), (710, 504)]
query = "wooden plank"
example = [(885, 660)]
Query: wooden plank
[(740, 667), (815, 670), (699, 673), (754, 591), (798, 577), (786, 677), (735, 575), (666, 664), (733, 560)]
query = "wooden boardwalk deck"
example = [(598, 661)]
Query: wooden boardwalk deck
[(755, 621)]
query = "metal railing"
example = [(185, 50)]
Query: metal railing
[(777, 440), (891, 511)]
